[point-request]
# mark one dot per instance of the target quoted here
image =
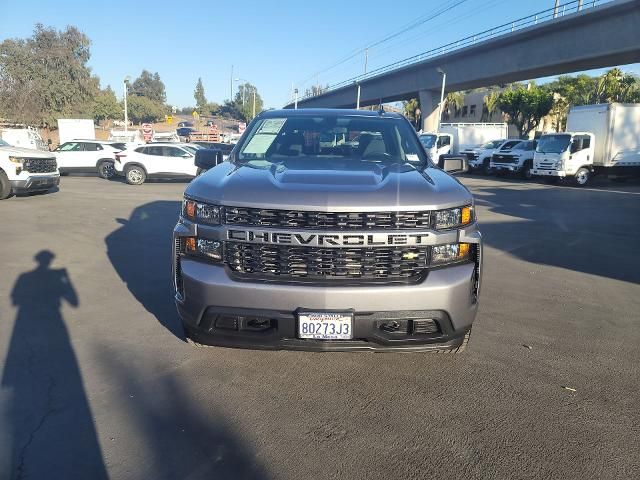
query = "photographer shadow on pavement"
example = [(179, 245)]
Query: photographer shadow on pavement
[(140, 252), (52, 433)]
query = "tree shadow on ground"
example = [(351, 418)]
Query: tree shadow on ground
[(593, 232), (140, 251), (52, 431)]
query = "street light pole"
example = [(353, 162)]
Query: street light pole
[(444, 80), (358, 98), (254, 103), (126, 112), (295, 102)]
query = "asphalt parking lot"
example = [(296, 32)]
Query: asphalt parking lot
[(97, 381)]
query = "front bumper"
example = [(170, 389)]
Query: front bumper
[(502, 167), (35, 183), (448, 296), (548, 173)]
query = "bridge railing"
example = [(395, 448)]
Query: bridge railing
[(504, 29)]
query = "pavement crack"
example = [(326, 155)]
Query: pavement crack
[(48, 411)]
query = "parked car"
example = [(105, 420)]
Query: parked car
[(26, 170), (156, 160), (185, 124), (88, 156), (185, 131), (517, 160), (480, 156), (224, 147)]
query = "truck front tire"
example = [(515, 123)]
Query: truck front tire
[(486, 167), (135, 175), (5, 186), (526, 171), (582, 177)]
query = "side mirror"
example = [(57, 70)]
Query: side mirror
[(453, 164), (186, 155), (207, 158)]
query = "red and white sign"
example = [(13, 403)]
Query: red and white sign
[(241, 127), (147, 131)]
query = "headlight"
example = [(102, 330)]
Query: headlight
[(201, 212), (450, 253), (16, 160), (203, 247), (453, 217)]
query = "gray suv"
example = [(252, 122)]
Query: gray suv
[(357, 243)]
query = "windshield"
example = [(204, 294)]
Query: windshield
[(428, 141), (492, 144), (553, 143), (333, 137), (3, 143)]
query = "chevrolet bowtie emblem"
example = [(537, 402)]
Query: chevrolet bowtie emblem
[(409, 256)]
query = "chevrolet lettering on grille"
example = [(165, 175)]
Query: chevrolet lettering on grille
[(336, 240)]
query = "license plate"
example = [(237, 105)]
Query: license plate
[(325, 325)]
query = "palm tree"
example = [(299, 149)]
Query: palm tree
[(455, 100), (491, 103)]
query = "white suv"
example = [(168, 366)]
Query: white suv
[(88, 156), (157, 160)]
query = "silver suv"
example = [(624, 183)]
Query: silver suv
[(361, 243)]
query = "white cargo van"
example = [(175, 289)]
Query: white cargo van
[(603, 138)]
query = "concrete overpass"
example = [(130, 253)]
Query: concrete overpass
[(602, 36)]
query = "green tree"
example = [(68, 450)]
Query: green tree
[(526, 107), (150, 86), (46, 76), (143, 109), (409, 107), (201, 100), (244, 101), (106, 106), (453, 102), (491, 103)]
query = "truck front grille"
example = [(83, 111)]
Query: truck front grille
[(497, 158), (294, 262), (329, 220), (39, 165)]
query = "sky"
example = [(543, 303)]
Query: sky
[(273, 45)]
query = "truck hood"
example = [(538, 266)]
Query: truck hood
[(26, 152), (330, 186)]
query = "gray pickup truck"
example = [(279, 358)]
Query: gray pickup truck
[(361, 243)]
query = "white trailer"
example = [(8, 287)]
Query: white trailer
[(603, 138), (75, 129)]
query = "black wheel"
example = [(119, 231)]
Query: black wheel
[(105, 169), (135, 175), (582, 177), (5, 186), (486, 167), (526, 171)]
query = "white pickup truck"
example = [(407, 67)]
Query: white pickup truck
[(24, 170)]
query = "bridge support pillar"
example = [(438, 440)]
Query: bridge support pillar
[(429, 100)]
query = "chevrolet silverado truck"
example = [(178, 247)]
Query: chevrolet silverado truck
[(294, 244), (24, 170)]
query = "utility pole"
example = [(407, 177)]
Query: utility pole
[(295, 104), (126, 112), (555, 8), (254, 103), (358, 98)]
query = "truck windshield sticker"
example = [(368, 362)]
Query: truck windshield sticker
[(271, 126), (259, 144)]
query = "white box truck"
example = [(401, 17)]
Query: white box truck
[(452, 138), (76, 129), (603, 138)]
